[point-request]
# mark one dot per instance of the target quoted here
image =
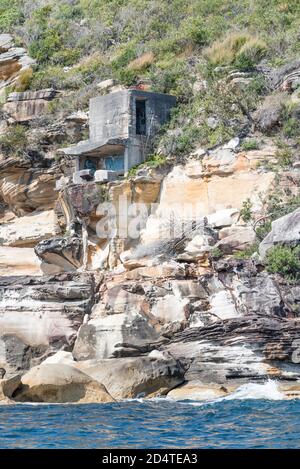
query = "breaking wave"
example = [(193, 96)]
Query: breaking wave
[(268, 390)]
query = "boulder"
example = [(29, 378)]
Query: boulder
[(236, 238), (8, 386), (60, 254), (13, 61), (286, 78), (66, 358), (170, 269), (285, 231), (268, 114), (220, 161), (197, 391), (146, 376), (105, 85), (225, 217), (59, 383), (6, 42), (198, 247)]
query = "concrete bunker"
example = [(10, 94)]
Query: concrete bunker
[(121, 130)]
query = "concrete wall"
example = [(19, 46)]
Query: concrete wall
[(114, 116), (137, 150), (158, 107), (109, 116)]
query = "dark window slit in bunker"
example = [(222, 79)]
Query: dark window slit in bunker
[(140, 117)]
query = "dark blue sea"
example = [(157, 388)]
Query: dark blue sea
[(153, 424)]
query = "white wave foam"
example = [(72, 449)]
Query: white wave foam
[(268, 390)]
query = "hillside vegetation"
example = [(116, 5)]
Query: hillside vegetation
[(175, 44)]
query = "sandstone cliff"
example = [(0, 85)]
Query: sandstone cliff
[(191, 315)]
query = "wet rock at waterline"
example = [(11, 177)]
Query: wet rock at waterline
[(59, 384)]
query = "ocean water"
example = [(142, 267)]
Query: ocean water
[(255, 416)]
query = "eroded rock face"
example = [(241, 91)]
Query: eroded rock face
[(13, 60), (60, 383), (239, 350), (25, 189), (18, 261), (27, 231), (40, 315), (131, 315), (23, 107), (186, 194), (103, 337)]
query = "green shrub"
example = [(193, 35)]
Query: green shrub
[(279, 204), (14, 141), (250, 144), (49, 40), (126, 76), (48, 77), (284, 261), (185, 142), (250, 54), (283, 154), (246, 211), (66, 56), (291, 128), (10, 14), (216, 253), (23, 81), (263, 229), (247, 253), (126, 55), (153, 161), (92, 68), (197, 31)]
